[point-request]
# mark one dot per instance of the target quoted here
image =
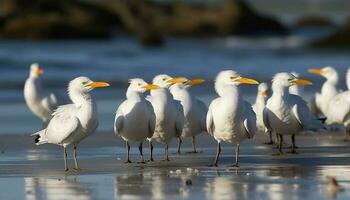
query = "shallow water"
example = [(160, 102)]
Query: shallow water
[(29, 172)]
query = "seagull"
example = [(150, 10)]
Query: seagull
[(71, 123), (40, 103), (339, 108), (288, 114), (135, 119), (258, 107), (169, 113), (328, 90), (230, 118), (194, 111)]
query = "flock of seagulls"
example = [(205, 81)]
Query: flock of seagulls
[(170, 111)]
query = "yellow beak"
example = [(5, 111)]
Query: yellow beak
[(151, 87), (316, 71), (243, 80), (98, 84), (177, 80), (302, 82), (39, 71), (195, 82)]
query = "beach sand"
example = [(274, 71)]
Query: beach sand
[(36, 172)]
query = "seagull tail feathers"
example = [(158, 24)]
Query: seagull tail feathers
[(40, 137)]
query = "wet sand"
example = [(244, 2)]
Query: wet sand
[(36, 172)]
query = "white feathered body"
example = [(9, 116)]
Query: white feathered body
[(40, 104), (289, 114), (134, 120), (328, 91), (169, 116), (194, 112), (280, 115), (339, 109), (71, 123), (258, 108), (231, 119)]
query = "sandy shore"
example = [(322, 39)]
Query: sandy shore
[(35, 172)]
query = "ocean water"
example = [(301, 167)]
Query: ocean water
[(122, 58)]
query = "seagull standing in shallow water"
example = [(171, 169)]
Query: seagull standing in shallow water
[(258, 107), (230, 118), (168, 112), (135, 119), (194, 111), (40, 103), (288, 114), (339, 108), (328, 90), (72, 123)]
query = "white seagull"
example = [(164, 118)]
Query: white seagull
[(288, 114), (194, 111), (135, 119), (339, 108), (71, 123), (328, 90), (169, 113), (258, 107), (230, 118), (40, 103)]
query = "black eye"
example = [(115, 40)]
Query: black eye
[(232, 77), (84, 82), (164, 79), (139, 84)]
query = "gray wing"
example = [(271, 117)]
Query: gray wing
[(152, 121), (180, 118), (63, 124), (209, 120), (250, 120), (202, 113), (303, 115), (265, 117), (119, 119)]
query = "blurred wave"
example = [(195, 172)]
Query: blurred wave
[(122, 58)]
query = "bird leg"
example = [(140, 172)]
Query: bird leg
[(194, 145), (237, 156), (151, 151), (65, 158), (179, 142), (271, 141), (166, 151), (280, 144), (293, 145), (218, 151), (76, 168), (127, 145), (141, 154)]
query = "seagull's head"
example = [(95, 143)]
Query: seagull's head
[(141, 86), (230, 77), (263, 90), (84, 85), (165, 81), (35, 70), (327, 72), (285, 80)]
